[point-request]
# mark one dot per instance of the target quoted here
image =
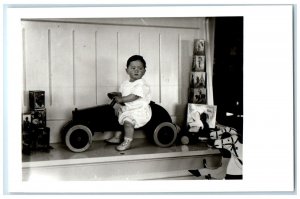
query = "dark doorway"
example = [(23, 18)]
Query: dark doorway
[(228, 71)]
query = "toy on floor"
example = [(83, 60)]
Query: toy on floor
[(231, 148), (196, 131), (77, 134)]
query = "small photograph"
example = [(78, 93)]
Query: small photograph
[(199, 96), (26, 121), (198, 80), (198, 63), (37, 99), (199, 47), (38, 118), (199, 113)]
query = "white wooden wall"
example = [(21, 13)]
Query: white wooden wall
[(77, 64)]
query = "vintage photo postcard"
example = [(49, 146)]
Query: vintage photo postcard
[(198, 63), (197, 80), (196, 110)]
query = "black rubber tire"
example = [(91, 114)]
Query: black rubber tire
[(165, 134), (78, 138)]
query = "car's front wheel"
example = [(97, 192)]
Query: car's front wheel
[(78, 138)]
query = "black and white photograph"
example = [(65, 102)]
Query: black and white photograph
[(195, 116), (106, 98), (26, 121), (198, 80), (199, 47), (199, 63), (198, 95), (91, 74)]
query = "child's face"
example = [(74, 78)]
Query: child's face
[(135, 70)]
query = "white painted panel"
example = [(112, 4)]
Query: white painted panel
[(84, 65), (55, 127), (107, 63), (36, 57), (107, 56), (186, 59), (149, 45), (169, 70), (61, 71), (102, 94), (128, 45)]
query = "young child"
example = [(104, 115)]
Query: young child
[(134, 98)]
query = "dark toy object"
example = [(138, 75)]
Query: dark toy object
[(35, 139), (77, 133), (194, 137)]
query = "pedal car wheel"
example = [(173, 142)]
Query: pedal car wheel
[(165, 134), (79, 138)]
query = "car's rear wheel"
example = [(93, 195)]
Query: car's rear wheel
[(165, 134)]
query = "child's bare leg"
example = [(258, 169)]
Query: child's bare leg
[(128, 137), (128, 129), (116, 138)]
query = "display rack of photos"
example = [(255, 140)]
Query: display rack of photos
[(199, 112), (197, 90)]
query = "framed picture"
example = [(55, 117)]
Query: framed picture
[(197, 80), (198, 63), (26, 121), (199, 47), (196, 112), (198, 95)]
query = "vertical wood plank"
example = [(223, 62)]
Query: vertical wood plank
[(73, 67), (209, 26), (186, 58), (149, 45), (128, 46), (169, 70), (84, 62), (179, 71), (96, 66), (25, 94), (36, 53), (107, 63), (49, 67), (159, 71), (62, 71)]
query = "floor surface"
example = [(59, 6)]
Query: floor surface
[(141, 149), (102, 149)]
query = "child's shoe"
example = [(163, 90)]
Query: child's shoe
[(125, 144), (114, 140)]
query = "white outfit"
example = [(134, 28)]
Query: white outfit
[(137, 112)]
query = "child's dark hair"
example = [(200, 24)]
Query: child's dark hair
[(135, 58)]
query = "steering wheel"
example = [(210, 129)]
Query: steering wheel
[(112, 96)]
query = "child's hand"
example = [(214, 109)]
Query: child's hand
[(119, 100), (113, 94)]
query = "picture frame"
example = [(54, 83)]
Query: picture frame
[(199, 47), (198, 95), (197, 80), (198, 63), (26, 117), (195, 111)]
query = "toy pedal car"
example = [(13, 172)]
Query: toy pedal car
[(77, 134)]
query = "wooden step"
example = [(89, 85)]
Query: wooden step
[(144, 161)]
